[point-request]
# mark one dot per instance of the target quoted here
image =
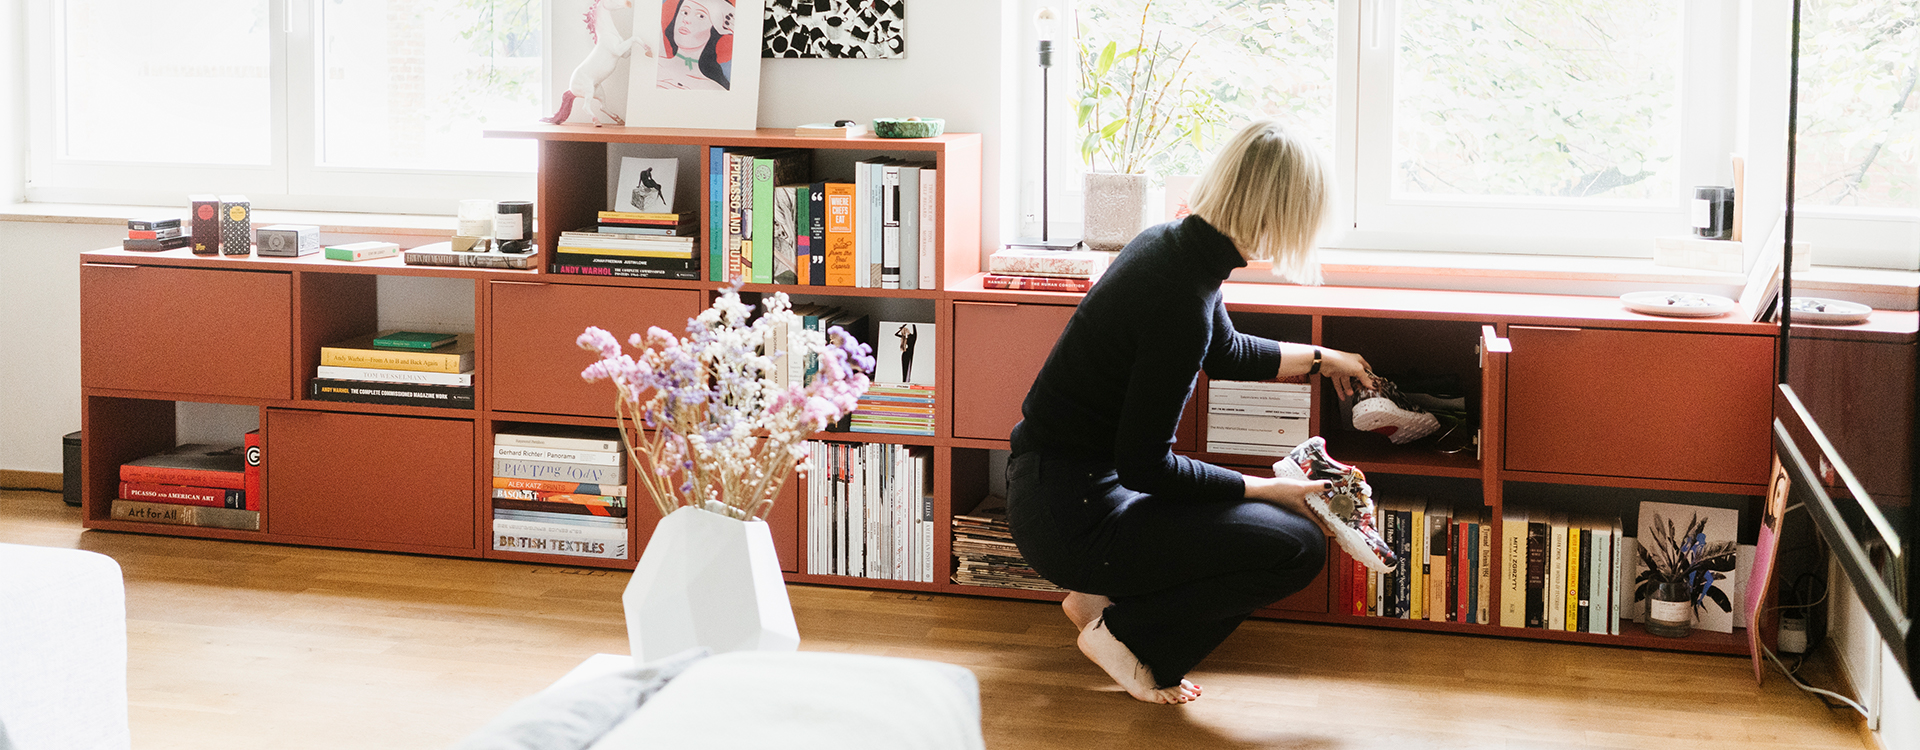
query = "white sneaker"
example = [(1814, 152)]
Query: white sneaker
[(1347, 509), (1386, 412)]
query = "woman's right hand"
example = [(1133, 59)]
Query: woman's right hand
[(1347, 371), (1290, 494)]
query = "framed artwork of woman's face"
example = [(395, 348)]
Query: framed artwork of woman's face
[(689, 67)]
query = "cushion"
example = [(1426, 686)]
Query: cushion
[(574, 712), (800, 700)]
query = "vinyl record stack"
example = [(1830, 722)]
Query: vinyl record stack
[(193, 485), (560, 491), (984, 553), (398, 368), (1034, 269)]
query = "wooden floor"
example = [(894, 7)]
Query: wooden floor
[(236, 645)]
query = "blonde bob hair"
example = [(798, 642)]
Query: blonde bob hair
[(1267, 190)]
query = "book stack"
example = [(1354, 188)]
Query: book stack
[(771, 222), (634, 245), (194, 485), (870, 511), (1257, 418), (984, 553), (1566, 573), (560, 491), (401, 368), (1045, 270), (815, 317), (155, 234), (900, 400)]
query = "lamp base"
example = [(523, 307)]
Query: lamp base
[(1036, 243)]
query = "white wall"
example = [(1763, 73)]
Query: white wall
[(13, 101), (40, 337), (1877, 680)]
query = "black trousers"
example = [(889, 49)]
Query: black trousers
[(1182, 574)]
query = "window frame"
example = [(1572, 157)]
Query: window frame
[(293, 179)]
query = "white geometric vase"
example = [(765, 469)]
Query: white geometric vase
[(708, 580), (1118, 206)]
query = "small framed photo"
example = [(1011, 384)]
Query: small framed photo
[(645, 185)]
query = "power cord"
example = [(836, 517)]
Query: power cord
[(1823, 694)]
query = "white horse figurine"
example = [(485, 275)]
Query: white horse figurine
[(583, 87)]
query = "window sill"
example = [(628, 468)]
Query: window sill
[(330, 223)]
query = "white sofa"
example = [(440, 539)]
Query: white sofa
[(63, 650)]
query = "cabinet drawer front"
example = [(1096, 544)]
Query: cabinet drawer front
[(362, 478), (1655, 405), (188, 331), (535, 364), (997, 351)]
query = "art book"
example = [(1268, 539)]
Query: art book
[(646, 185), (905, 353)]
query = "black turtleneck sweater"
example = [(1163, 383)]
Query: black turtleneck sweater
[(1122, 371)]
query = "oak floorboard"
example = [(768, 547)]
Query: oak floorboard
[(239, 645)]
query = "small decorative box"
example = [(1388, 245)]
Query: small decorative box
[(287, 240), (236, 225)]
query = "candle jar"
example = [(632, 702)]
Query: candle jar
[(1670, 610), (476, 220), (513, 227), (1713, 212)]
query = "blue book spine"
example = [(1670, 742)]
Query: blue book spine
[(716, 213)]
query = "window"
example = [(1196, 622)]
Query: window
[(1577, 127), (325, 104)]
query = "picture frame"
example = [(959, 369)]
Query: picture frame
[(836, 29), (690, 68), (646, 185)]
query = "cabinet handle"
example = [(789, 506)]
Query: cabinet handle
[(109, 265), (985, 304)]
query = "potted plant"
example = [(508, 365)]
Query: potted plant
[(1682, 573), (1136, 105), (713, 428)]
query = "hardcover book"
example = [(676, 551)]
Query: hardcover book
[(391, 394), (357, 251), (191, 464), (186, 515), (413, 340), (359, 351), (565, 437)]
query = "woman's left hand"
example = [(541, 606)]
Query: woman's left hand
[(1347, 371)]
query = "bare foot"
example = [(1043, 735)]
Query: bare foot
[(1120, 664), (1084, 608)]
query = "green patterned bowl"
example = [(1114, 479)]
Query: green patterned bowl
[(908, 127)]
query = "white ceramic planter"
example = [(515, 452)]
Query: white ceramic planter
[(1118, 207), (708, 580)]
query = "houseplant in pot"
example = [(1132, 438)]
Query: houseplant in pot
[(1136, 105), (714, 429), (1681, 573)]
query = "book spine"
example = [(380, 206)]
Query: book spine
[(226, 480), (1622, 548), (803, 235), (1537, 545), (1572, 576), (863, 244), (211, 497), (253, 448), (1583, 575), (559, 487), (763, 243), (1597, 578), (391, 394), (1556, 598), (558, 471), (336, 356), (541, 543), (929, 225), (909, 202), (1513, 560), (597, 458), (817, 234), (781, 230), (186, 515), (1417, 564), (890, 227), (561, 498), (739, 172), (872, 204), (376, 375), (611, 445), (1036, 283), (465, 260), (542, 506), (842, 253), (1437, 567)]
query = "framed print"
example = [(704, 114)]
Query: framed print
[(689, 67), (853, 29)]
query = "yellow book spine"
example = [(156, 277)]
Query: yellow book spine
[(385, 360), (1573, 578)]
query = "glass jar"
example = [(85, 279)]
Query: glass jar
[(1670, 610)]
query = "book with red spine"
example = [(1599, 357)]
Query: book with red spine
[(191, 465), (212, 497), (579, 509), (559, 487), (252, 448), (1035, 283)]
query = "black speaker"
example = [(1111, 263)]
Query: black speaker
[(70, 468)]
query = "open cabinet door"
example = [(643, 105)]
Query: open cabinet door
[(1493, 395)]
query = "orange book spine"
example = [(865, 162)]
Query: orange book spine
[(840, 212)]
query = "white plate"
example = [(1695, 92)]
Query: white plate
[(1677, 304), (1832, 311)]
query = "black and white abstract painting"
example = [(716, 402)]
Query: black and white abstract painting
[(836, 29)]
